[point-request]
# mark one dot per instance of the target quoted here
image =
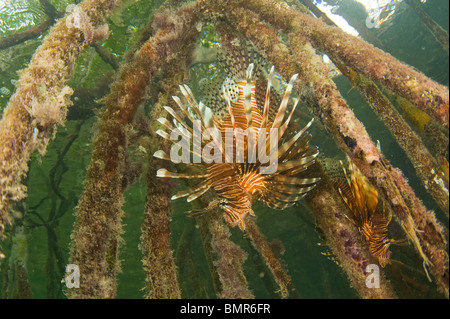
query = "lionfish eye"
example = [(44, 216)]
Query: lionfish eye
[(223, 202)]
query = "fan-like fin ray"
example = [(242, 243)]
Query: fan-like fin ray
[(285, 146), (162, 172), (284, 102), (285, 125), (293, 190), (247, 98), (296, 163), (265, 116), (199, 191), (282, 179)]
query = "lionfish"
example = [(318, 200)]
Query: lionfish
[(362, 200), (238, 179)]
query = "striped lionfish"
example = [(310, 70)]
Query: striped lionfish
[(239, 183), (362, 200)]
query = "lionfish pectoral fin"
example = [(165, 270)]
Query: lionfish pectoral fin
[(349, 182), (183, 108), (196, 212), (284, 102), (287, 145), (286, 123), (388, 217), (352, 220), (177, 119), (162, 172), (161, 155), (399, 242), (234, 219), (207, 209), (241, 224)]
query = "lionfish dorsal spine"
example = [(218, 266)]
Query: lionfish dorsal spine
[(227, 98), (285, 125), (248, 98), (284, 103), (287, 145), (267, 98)]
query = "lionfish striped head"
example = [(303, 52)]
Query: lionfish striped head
[(365, 212), (248, 151)]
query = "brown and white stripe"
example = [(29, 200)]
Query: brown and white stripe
[(238, 185)]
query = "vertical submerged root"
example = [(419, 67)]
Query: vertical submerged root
[(229, 263), (225, 258), (438, 32), (159, 266), (273, 263), (40, 102), (96, 233), (98, 226), (158, 261)]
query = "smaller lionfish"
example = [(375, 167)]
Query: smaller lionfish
[(233, 172), (362, 200)]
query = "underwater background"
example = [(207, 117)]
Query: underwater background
[(40, 236)]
